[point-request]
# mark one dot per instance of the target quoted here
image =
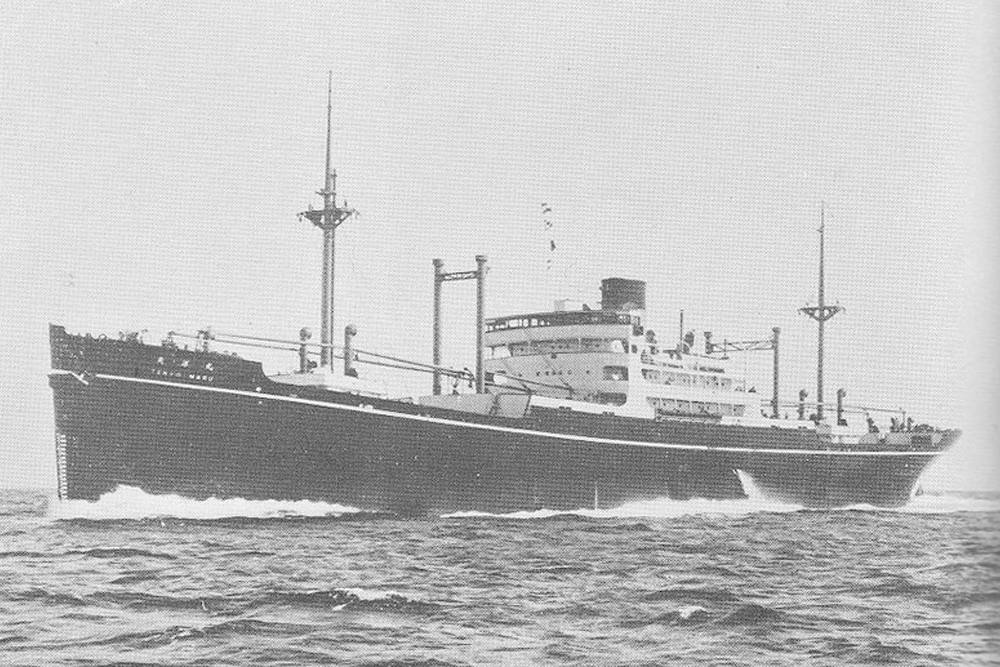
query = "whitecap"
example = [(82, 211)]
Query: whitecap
[(687, 611), (367, 595)]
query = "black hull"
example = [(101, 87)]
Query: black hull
[(122, 419)]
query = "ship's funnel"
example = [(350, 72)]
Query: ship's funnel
[(623, 294)]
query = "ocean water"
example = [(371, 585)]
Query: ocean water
[(142, 580)]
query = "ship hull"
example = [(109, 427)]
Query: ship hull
[(175, 439), (158, 419)]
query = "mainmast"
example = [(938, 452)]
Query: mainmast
[(328, 220), (821, 313)]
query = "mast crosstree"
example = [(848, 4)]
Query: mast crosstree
[(328, 219), (821, 313)]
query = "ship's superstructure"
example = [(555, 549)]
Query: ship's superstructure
[(609, 357)]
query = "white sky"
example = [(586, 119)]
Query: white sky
[(153, 158)]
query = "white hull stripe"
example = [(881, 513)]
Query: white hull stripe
[(508, 429)]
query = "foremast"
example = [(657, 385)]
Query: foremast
[(328, 219)]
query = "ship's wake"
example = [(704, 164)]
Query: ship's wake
[(756, 501), (945, 503), (657, 508), (131, 503), (941, 503)]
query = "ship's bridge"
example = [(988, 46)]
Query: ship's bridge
[(557, 318), (557, 325), (579, 354)]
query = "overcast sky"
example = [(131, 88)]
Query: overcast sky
[(153, 159)]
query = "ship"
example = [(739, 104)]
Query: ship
[(573, 407)]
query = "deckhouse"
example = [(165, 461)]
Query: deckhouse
[(611, 359)]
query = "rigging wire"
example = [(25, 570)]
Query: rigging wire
[(379, 359)]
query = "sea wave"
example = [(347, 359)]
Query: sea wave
[(754, 614), (334, 599), (350, 599), (744, 614), (687, 615), (132, 503), (692, 595)]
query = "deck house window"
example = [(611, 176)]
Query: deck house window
[(612, 398), (615, 373)]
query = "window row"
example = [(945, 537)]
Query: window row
[(565, 345), (669, 406), (689, 380)]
